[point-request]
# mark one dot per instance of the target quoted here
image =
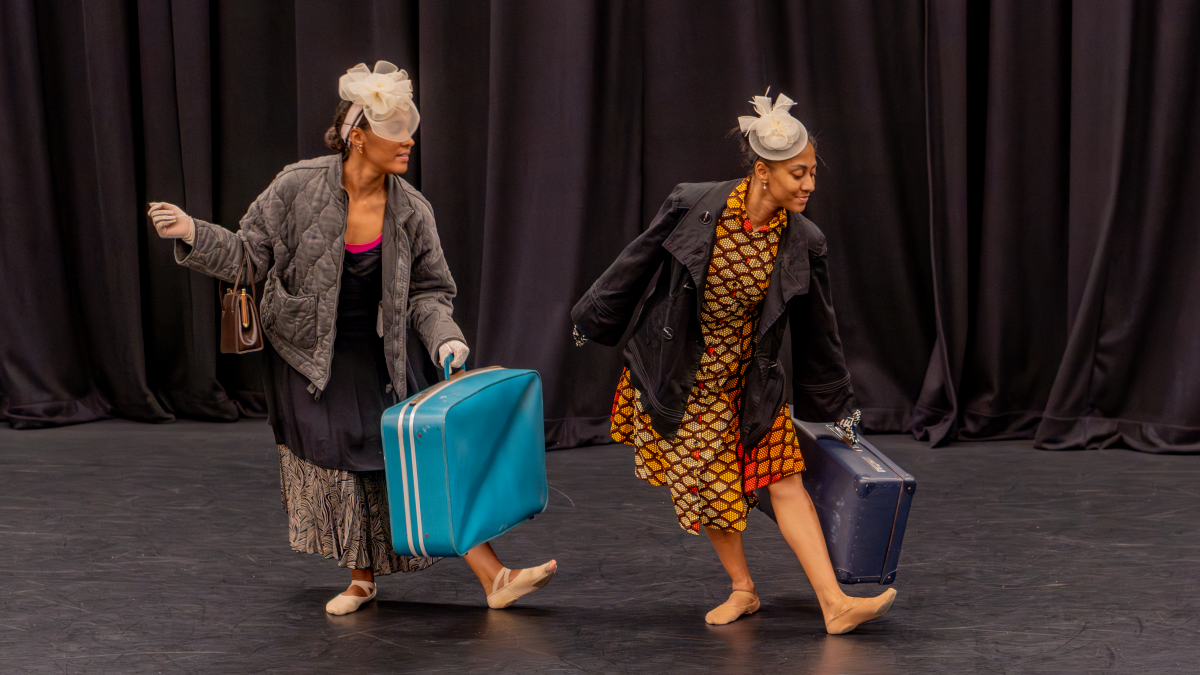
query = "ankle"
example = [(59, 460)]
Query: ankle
[(489, 582), (830, 601), (747, 586), (357, 590)]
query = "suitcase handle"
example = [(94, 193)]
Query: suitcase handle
[(446, 365)]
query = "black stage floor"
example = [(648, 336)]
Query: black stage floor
[(131, 548)]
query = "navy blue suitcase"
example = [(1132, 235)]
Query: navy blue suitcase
[(862, 501)]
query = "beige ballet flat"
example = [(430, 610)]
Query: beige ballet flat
[(851, 612), (344, 604), (506, 591), (739, 604)]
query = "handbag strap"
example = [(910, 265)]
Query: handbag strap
[(238, 278), (249, 271)]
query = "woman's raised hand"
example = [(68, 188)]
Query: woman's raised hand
[(171, 222)]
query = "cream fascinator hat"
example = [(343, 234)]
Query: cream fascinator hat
[(384, 97), (774, 134)]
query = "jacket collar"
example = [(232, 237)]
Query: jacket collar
[(692, 241)]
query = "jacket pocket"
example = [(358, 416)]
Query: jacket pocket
[(293, 318)]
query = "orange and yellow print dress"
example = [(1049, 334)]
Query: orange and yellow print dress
[(711, 476)]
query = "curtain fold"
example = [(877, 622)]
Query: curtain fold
[(950, 28), (1017, 311), (72, 345), (563, 142), (1009, 190), (1130, 371), (176, 165)]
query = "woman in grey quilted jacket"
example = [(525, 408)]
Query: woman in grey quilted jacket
[(351, 258)]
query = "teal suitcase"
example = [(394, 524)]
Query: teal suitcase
[(465, 461)]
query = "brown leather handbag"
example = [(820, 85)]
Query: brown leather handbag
[(241, 332)]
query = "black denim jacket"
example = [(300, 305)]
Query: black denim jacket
[(663, 353)]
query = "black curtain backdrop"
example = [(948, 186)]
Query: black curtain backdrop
[(1011, 190)]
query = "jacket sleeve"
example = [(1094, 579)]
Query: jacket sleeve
[(820, 380), (431, 288), (217, 252), (604, 312)]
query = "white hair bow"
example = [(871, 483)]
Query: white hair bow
[(385, 97), (776, 134)]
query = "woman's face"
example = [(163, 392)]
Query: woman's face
[(790, 182), (387, 156)]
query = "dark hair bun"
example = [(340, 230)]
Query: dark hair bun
[(333, 137), (334, 141)]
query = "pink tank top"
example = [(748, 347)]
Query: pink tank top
[(360, 248)]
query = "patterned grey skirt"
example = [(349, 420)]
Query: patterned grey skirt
[(341, 514)]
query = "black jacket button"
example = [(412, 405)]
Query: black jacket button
[(668, 333), (706, 217)]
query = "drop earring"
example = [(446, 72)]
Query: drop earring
[(764, 185)]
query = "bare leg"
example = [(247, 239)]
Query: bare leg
[(359, 575), (802, 530), (743, 600), (729, 549)]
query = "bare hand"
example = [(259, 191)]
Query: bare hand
[(171, 222)]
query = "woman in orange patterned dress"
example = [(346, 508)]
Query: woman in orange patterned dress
[(707, 413)]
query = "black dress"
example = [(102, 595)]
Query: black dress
[(330, 450), (339, 430)]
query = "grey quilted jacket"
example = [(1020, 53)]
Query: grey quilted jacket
[(295, 232)]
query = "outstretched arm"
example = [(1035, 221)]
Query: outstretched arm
[(214, 250)]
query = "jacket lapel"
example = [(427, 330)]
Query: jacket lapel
[(692, 241), (790, 276), (398, 205)]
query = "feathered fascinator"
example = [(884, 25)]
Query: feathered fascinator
[(384, 97), (774, 134)]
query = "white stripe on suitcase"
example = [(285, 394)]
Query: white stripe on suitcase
[(412, 449), (404, 473), (412, 440)]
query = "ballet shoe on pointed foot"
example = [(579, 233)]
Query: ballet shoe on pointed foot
[(344, 604), (739, 604), (851, 612), (507, 589)]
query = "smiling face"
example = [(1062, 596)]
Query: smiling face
[(791, 181), (386, 156)]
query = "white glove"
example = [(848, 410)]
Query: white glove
[(171, 222), (456, 347)]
